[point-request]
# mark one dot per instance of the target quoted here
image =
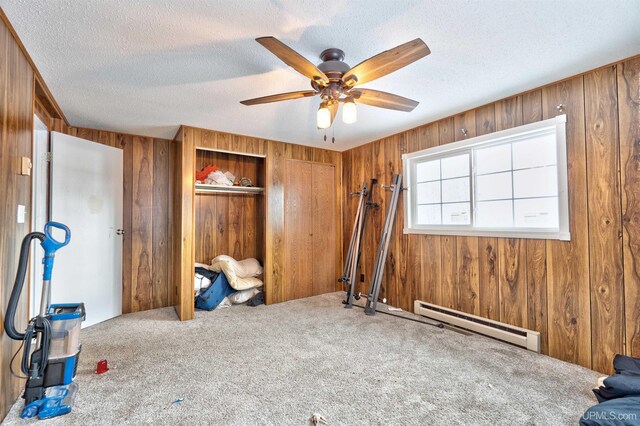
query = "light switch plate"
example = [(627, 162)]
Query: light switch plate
[(22, 213)]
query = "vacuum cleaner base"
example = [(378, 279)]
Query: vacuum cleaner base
[(58, 400)]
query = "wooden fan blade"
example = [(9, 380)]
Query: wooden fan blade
[(280, 97), (293, 59), (386, 62), (380, 99)]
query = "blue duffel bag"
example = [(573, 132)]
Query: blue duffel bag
[(210, 298)]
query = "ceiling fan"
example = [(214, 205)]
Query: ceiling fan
[(336, 82)]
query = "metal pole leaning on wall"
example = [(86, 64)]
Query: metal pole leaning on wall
[(383, 247), (347, 264), (345, 279), (349, 273)]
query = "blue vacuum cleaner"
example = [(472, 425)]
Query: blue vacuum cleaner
[(49, 366)]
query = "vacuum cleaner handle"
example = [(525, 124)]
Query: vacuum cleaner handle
[(51, 245), (9, 318)]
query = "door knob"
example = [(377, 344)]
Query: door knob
[(119, 231)]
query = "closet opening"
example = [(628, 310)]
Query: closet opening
[(229, 222)]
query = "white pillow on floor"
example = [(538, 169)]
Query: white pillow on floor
[(246, 268), (242, 296)]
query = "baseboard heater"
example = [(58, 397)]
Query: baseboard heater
[(508, 333)]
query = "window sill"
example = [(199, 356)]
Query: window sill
[(493, 233)]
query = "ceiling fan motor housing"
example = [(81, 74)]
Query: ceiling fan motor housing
[(334, 68), (332, 64)]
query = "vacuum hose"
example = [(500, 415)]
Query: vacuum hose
[(23, 263)]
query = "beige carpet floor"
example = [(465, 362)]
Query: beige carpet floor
[(279, 364)]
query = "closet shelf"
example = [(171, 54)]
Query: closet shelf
[(202, 188)]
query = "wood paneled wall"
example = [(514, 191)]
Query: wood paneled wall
[(274, 234), (147, 208), (16, 139), (582, 295)]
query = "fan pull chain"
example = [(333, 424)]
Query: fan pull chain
[(325, 135), (333, 135)]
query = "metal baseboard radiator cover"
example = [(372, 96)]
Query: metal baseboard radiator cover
[(507, 333)]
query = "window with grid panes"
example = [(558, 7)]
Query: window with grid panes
[(511, 183)]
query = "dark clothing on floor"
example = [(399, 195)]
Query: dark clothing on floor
[(619, 396), (625, 382), (256, 300)]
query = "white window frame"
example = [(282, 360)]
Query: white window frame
[(555, 125)]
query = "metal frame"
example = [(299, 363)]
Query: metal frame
[(383, 246), (350, 271)]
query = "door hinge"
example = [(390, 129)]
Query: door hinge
[(48, 157)]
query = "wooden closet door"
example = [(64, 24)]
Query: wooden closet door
[(324, 228), (298, 206)]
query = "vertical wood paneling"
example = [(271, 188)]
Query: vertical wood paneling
[(511, 252), (324, 227), (347, 218), (185, 306), (449, 255), (488, 261), (160, 217), (403, 274), (426, 250), (537, 309), (176, 226), (236, 224), (336, 159), (127, 209), (568, 262), (365, 171), (605, 217), (629, 110), (142, 225), (274, 259), (298, 226), (467, 247), (16, 130), (513, 288)]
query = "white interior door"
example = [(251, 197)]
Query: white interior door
[(86, 195)]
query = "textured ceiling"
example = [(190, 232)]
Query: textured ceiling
[(145, 67)]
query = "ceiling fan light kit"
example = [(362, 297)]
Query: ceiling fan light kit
[(324, 116), (335, 81), (349, 111)]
